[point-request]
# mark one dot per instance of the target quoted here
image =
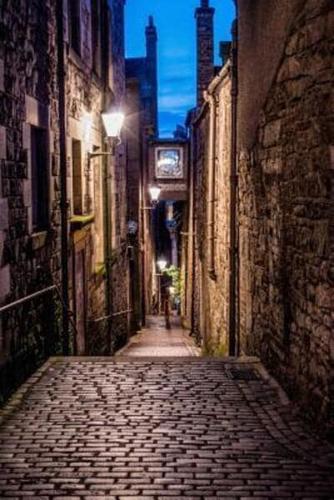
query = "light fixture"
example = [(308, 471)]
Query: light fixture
[(155, 193), (86, 125), (162, 264), (113, 123)]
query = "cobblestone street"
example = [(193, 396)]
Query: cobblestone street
[(155, 340), (157, 428)]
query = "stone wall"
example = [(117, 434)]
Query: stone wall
[(212, 226), (286, 208), (29, 260), (86, 100)]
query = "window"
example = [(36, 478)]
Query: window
[(96, 36), (39, 178), (76, 177), (74, 25)]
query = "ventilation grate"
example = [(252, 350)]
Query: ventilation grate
[(247, 374)]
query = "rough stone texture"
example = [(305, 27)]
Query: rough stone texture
[(144, 70), (28, 97), (264, 26), (142, 73), (135, 198), (286, 214), (195, 428), (205, 48), (211, 181), (27, 73)]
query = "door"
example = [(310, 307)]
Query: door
[(80, 302)]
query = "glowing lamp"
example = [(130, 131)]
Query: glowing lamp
[(113, 123), (155, 193), (162, 264)]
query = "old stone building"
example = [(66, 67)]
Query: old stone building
[(31, 236), (29, 180), (207, 239), (285, 152), (142, 106), (260, 243), (96, 81), (208, 236)]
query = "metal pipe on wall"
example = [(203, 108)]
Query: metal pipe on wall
[(234, 251), (210, 98), (63, 174)]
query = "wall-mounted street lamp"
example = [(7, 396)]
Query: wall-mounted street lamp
[(162, 264), (154, 195), (113, 122)]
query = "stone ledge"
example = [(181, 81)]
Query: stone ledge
[(38, 240), (78, 222)]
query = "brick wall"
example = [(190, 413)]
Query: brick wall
[(286, 204)]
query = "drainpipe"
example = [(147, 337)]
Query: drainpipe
[(63, 174), (106, 169), (234, 251), (210, 98)]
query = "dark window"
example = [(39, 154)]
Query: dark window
[(39, 178), (96, 36), (74, 24), (76, 177)]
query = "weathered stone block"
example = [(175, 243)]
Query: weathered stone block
[(3, 152), (2, 76), (325, 296), (272, 133), (3, 214), (4, 282)]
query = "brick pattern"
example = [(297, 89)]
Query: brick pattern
[(100, 428)]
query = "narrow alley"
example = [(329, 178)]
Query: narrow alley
[(166, 249)]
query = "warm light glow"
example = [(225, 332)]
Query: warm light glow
[(154, 193), (86, 124), (172, 290), (162, 264), (113, 123)]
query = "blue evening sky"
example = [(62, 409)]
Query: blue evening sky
[(176, 48)]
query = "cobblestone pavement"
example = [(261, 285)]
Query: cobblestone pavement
[(155, 340), (157, 428)]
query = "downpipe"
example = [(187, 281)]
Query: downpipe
[(234, 347), (210, 99), (63, 175)]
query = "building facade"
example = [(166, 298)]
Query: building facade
[(142, 92), (260, 247), (33, 184), (285, 152)]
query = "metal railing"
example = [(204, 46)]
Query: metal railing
[(39, 293)]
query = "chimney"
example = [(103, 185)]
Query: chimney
[(205, 47), (225, 51), (151, 39), (152, 72)]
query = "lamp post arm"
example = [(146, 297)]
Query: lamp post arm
[(96, 155)]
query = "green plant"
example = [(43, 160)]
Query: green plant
[(175, 274)]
